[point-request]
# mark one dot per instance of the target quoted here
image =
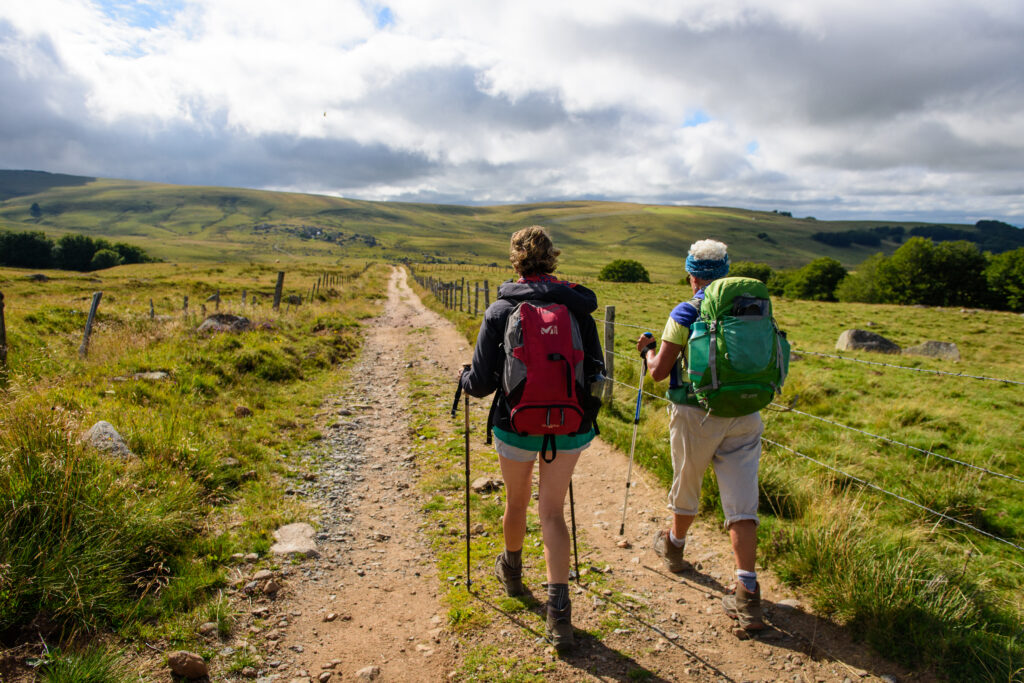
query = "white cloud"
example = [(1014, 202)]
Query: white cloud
[(830, 108)]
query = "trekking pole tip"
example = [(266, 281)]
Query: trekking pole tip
[(622, 530)]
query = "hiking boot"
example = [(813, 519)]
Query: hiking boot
[(745, 607), (668, 551), (560, 628), (512, 579)]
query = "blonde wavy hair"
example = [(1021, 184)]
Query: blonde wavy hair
[(532, 252)]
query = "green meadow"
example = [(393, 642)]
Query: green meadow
[(920, 589)]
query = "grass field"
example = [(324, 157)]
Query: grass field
[(918, 588), (141, 546)]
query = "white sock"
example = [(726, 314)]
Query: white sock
[(677, 542), (748, 579)]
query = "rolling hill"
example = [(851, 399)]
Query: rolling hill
[(184, 223)]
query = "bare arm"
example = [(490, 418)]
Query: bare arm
[(660, 363)]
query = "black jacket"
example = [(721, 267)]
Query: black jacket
[(484, 376)]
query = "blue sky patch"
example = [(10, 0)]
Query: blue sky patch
[(696, 118), (383, 17), (753, 147), (146, 14)]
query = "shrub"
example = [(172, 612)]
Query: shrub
[(945, 274), (816, 281), (1005, 277), (25, 250), (624, 270), (758, 271), (105, 258), (862, 284)]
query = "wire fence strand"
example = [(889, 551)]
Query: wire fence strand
[(907, 367), (894, 495), (787, 409)]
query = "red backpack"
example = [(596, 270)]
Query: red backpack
[(543, 375)]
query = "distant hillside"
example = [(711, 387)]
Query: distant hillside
[(224, 224), (20, 183)]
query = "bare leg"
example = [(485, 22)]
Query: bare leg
[(680, 525), (743, 535), (518, 477), (554, 484)]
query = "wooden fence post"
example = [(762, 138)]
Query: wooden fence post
[(152, 311), (476, 301), (462, 294), (83, 350), (277, 290), (184, 307), (243, 298), (609, 357), (487, 294), (3, 336)]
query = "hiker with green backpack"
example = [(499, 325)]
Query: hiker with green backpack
[(735, 361)]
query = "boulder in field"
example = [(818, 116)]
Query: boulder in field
[(225, 322), (103, 437), (935, 349), (862, 340)]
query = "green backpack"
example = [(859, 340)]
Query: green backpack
[(737, 358)]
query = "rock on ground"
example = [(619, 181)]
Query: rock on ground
[(934, 349), (102, 436), (187, 664), (862, 340), (225, 322), (295, 539)]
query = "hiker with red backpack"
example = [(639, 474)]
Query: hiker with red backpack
[(538, 350), (735, 361)]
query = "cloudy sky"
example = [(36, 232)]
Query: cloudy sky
[(889, 109)]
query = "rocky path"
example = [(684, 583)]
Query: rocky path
[(368, 607)]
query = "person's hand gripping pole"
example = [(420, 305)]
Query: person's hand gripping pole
[(644, 348)]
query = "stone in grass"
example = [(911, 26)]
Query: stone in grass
[(862, 340), (934, 349), (103, 437), (187, 664), (485, 484), (295, 539), (225, 322)]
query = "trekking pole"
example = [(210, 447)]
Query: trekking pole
[(572, 516), (455, 407), (632, 445), (468, 582)]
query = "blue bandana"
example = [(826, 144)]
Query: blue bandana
[(707, 270)]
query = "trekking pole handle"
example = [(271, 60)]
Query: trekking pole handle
[(458, 392)]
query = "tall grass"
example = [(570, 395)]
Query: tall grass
[(81, 535)]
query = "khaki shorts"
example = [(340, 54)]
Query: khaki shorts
[(732, 445), (523, 455)]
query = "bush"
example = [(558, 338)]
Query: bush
[(1005, 276), (105, 258), (25, 250), (778, 280), (624, 270), (75, 252), (862, 284), (816, 281), (758, 271), (945, 274)]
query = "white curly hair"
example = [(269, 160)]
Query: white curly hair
[(708, 250)]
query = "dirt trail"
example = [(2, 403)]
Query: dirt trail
[(376, 573)]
